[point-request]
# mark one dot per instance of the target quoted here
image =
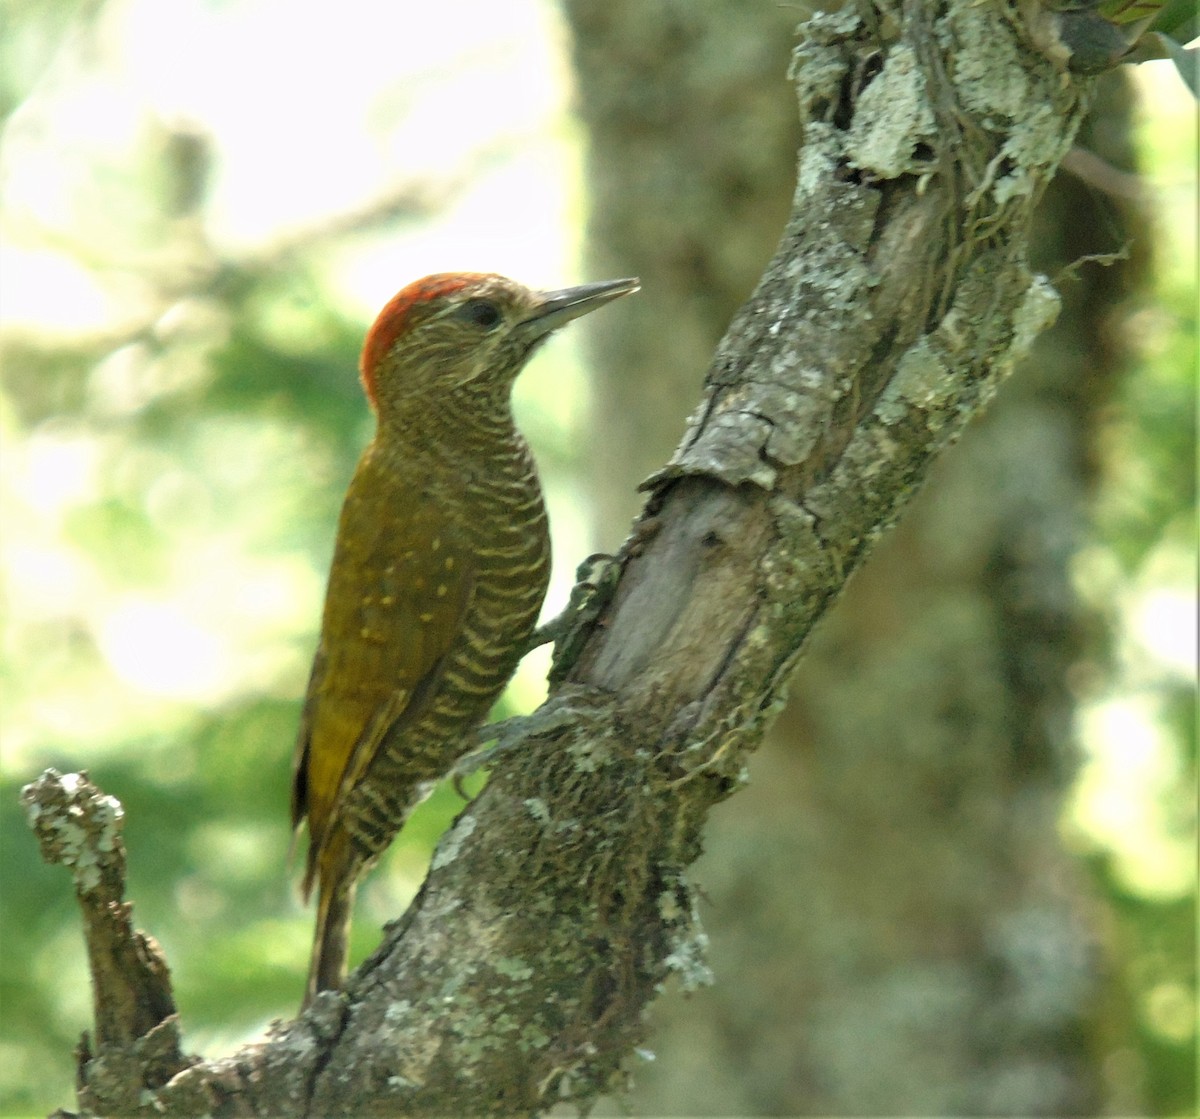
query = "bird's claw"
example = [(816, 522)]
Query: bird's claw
[(595, 580)]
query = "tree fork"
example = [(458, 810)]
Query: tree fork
[(558, 903)]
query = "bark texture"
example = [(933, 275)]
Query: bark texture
[(560, 902), (893, 881)]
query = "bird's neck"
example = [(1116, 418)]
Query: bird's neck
[(452, 424)]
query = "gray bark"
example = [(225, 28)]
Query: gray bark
[(560, 902), (896, 862)]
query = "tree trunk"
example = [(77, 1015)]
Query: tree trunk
[(891, 885)]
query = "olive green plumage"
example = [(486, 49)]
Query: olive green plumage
[(438, 575)]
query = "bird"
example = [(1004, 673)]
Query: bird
[(440, 567)]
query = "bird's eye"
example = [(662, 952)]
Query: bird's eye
[(481, 312)]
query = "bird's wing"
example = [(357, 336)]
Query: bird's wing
[(399, 587)]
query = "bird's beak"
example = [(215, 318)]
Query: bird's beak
[(557, 308)]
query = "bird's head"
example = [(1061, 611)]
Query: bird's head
[(456, 330)]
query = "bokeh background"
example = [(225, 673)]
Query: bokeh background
[(204, 205)]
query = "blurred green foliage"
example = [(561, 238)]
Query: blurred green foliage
[(204, 783), (204, 787), (172, 481), (1144, 586), (180, 416)]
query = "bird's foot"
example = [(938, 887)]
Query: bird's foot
[(595, 580)]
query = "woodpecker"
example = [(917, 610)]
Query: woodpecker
[(439, 570)]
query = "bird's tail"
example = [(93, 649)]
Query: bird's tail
[(335, 903)]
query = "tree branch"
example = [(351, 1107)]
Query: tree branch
[(137, 1028), (559, 903)]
